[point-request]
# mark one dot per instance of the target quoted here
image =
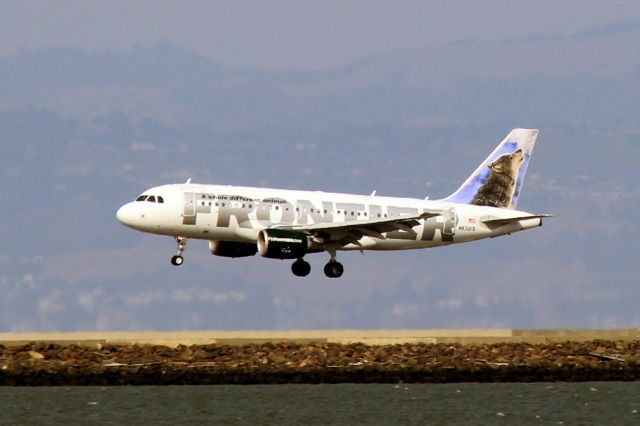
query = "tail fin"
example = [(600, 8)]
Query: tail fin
[(497, 182)]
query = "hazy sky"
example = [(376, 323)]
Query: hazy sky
[(81, 134), (292, 34)]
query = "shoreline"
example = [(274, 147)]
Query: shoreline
[(340, 336), (54, 364)]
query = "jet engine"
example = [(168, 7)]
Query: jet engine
[(279, 244), (232, 248)]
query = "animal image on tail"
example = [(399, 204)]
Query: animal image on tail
[(497, 181), (500, 185)]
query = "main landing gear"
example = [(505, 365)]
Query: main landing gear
[(333, 269), (178, 260), (300, 268)]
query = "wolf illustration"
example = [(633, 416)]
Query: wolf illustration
[(500, 186)]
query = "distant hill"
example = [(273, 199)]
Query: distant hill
[(551, 77)]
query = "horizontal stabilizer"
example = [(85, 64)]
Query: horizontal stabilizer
[(505, 221)]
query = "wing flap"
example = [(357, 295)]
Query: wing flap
[(351, 232)]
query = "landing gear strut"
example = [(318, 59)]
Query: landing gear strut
[(300, 268), (178, 260)]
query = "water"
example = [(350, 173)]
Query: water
[(600, 403)]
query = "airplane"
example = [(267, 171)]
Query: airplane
[(288, 224)]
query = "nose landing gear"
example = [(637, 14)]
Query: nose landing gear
[(178, 260)]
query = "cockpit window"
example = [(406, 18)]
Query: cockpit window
[(151, 198)]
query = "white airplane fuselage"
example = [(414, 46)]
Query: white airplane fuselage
[(233, 213), (287, 224)]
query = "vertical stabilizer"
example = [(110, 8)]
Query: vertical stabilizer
[(497, 182)]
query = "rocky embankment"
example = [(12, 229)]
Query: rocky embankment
[(52, 364)]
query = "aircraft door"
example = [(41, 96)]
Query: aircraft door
[(450, 222), (189, 204)]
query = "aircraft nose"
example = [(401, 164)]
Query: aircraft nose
[(127, 214)]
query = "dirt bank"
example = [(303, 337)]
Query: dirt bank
[(53, 364)]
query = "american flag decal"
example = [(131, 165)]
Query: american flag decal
[(472, 220)]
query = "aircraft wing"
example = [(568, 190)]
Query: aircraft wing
[(493, 222), (351, 232)]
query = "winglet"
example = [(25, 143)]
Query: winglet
[(188, 181)]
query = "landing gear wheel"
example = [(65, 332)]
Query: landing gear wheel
[(333, 269), (300, 268), (178, 260)]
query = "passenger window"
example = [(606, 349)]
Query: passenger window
[(160, 199), (151, 199)]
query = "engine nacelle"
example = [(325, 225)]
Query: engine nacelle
[(232, 248), (279, 244)]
